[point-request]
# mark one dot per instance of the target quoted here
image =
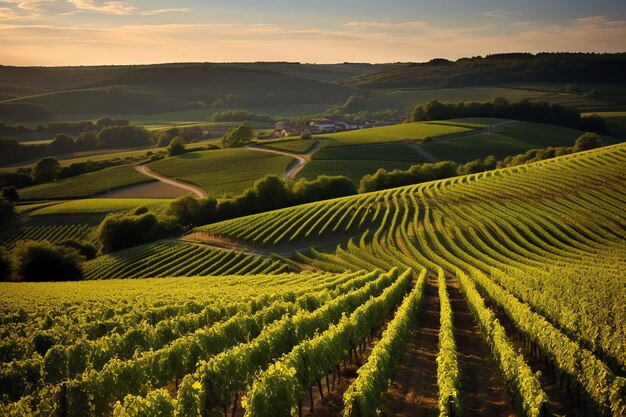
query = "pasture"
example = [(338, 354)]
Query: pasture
[(222, 172)]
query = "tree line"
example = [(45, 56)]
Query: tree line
[(383, 179), (525, 110)]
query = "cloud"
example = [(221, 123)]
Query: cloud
[(120, 8), (7, 13), (112, 7), (500, 13), (592, 19), (161, 11), (88, 44), (415, 25)]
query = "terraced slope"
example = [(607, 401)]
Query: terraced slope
[(521, 268)]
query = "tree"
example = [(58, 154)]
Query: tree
[(43, 261), (177, 146), (123, 137), (587, 141), (6, 265), (190, 211), (121, 232), (46, 169), (62, 143), (7, 210), (238, 137)]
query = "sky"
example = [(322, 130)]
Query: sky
[(95, 32)]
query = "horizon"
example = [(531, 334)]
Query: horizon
[(304, 63), (141, 32)]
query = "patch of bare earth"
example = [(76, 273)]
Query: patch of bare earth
[(413, 391), (483, 389)]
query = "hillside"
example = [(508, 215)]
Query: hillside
[(500, 68), (164, 88), (505, 267)]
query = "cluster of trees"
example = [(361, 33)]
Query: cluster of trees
[(117, 232), (383, 179), (111, 137), (45, 261), (268, 193), (241, 116), (238, 136), (526, 110), (500, 68), (49, 169)]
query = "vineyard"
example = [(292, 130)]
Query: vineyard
[(526, 261), (54, 234)]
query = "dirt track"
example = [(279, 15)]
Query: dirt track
[(199, 192), (302, 159)]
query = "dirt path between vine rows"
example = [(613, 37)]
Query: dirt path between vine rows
[(413, 391), (483, 389)]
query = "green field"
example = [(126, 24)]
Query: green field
[(356, 161), (86, 185), (101, 206), (393, 133), (222, 172), (615, 122), (290, 145)]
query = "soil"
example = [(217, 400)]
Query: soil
[(414, 392), (483, 389), (152, 189)]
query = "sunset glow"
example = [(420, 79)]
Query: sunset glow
[(89, 32)]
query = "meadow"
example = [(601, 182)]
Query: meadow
[(394, 133), (526, 269), (222, 172), (86, 185)]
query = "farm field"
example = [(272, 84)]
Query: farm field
[(100, 206), (356, 161), (506, 277), (222, 172), (394, 133), (86, 185)]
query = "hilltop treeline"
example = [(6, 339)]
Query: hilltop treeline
[(500, 68), (526, 110), (383, 179), (115, 136)]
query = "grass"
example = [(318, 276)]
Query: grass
[(101, 206), (615, 122), (356, 161), (508, 140), (85, 185), (290, 145), (222, 172), (393, 133), (400, 99)]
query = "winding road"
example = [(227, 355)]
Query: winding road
[(302, 159), (197, 191)]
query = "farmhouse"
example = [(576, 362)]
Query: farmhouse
[(322, 125)]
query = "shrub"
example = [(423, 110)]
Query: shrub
[(238, 136), (6, 265), (7, 210), (43, 261), (190, 211), (176, 147), (85, 249), (117, 232), (587, 141)]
